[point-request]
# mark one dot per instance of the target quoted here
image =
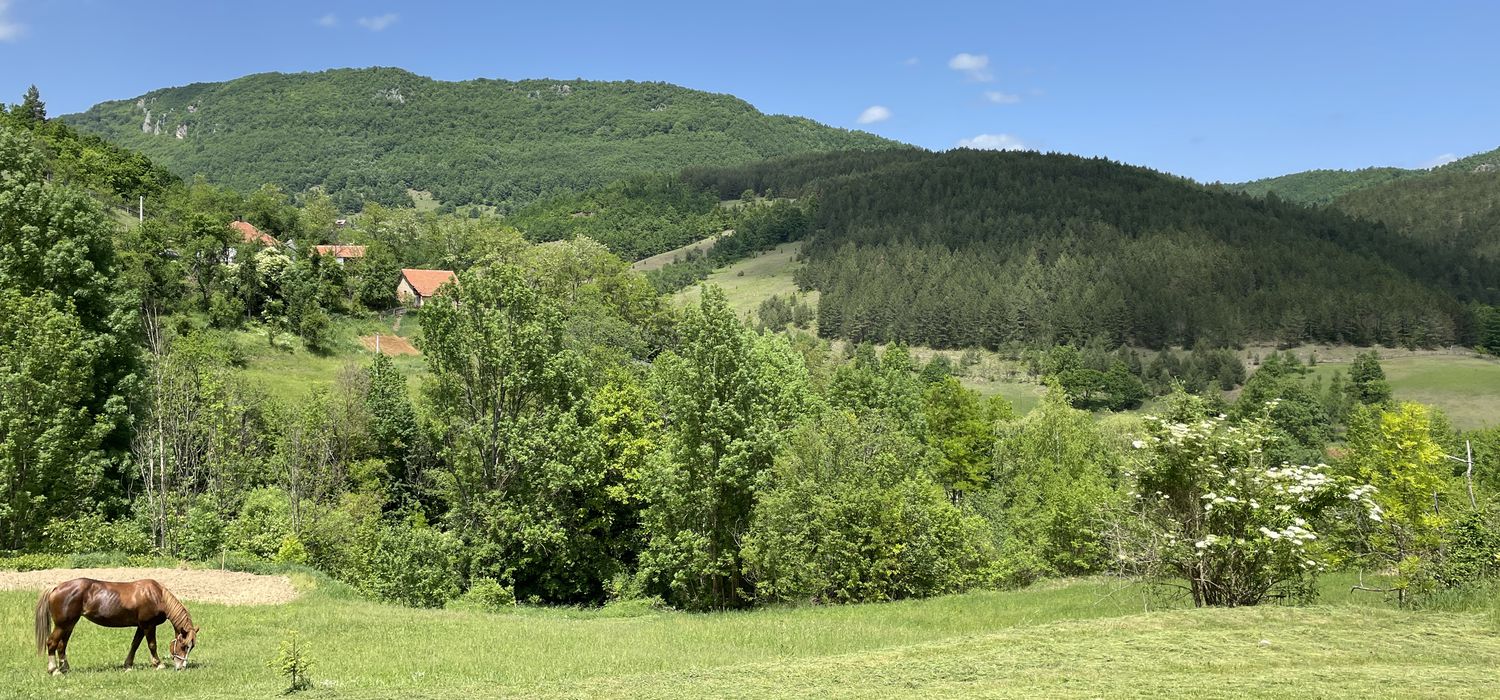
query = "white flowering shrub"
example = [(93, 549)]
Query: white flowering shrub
[(1217, 513)]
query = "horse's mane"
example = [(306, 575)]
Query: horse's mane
[(178, 614)]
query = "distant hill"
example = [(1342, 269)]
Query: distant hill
[(375, 133), (1325, 186), (969, 248), (1322, 186), (1458, 206)]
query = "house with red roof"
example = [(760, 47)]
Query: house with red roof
[(340, 253), (248, 233), (417, 286)]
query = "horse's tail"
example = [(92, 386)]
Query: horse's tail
[(43, 620)]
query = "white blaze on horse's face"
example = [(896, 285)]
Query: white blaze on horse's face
[(182, 645)]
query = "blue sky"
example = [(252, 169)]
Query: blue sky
[(1211, 90)]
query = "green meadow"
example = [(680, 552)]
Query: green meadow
[(1081, 638)]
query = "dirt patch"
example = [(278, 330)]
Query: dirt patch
[(390, 345), (202, 585)]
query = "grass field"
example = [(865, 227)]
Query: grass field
[(1060, 639), (661, 260), (290, 370), (750, 281), (1466, 387)]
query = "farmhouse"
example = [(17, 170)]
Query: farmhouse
[(248, 233), (417, 286), (340, 253)]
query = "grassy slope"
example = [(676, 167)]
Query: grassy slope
[(661, 260), (1078, 639), (1467, 388), (288, 372), (750, 281)]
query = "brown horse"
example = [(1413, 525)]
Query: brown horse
[(139, 604)]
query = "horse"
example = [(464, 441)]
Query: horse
[(140, 604)]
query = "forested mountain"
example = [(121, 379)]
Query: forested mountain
[(1322, 186), (373, 133), (972, 248), (1325, 186), (1459, 206)]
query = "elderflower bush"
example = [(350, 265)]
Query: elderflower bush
[(1219, 514)]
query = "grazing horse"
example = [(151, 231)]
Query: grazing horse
[(140, 604)]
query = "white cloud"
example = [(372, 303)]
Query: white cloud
[(1435, 161), (976, 66), (10, 30), (328, 20), (376, 24), (995, 142), (912, 61), (873, 115), (1001, 98)]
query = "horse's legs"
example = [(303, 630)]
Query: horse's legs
[(63, 633), (51, 646), (151, 644), (140, 633)]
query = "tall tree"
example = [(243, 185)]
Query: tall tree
[(55, 247), (32, 109), (523, 477), (730, 395)]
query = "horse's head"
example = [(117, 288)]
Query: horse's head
[(182, 645)]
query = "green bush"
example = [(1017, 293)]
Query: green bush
[(413, 566), (487, 594), (31, 562), (292, 551), (849, 513), (1471, 551), (92, 533), (202, 534), (263, 523)]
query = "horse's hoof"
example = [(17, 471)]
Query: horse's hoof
[(128, 669), (57, 672)]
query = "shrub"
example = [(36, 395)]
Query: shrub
[(202, 534), (488, 594), (92, 533), (413, 566), (1471, 551), (850, 513), (263, 523), (31, 562), (1237, 527), (292, 551)]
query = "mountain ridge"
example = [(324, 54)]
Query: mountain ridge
[(375, 133)]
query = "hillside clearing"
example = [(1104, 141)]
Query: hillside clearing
[(388, 344), (750, 281), (202, 585), (1465, 387), (660, 260)]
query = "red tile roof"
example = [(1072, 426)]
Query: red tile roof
[(426, 282), (340, 251), (250, 234)]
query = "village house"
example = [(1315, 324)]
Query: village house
[(250, 234), (340, 253), (417, 286)]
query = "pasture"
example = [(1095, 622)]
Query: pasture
[(1085, 638), (1466, 387), (288, 370), (750, 281)]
